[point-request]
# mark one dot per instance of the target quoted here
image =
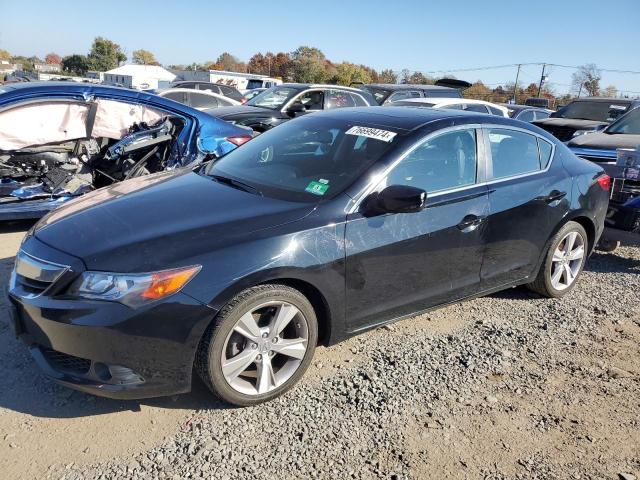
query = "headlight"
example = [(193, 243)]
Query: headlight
[(131, 289), (577, 133)]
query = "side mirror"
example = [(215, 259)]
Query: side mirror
[(295, 108), (395, 199)]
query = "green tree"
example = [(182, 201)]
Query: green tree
[(144, 57), (308, 65), (348, 73), (105, 55), (76, 64), (4, 55), (587, 79)]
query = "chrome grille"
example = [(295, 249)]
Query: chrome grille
[(33, 276)]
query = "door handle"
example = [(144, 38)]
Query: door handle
[(470, 223), (555, 195)]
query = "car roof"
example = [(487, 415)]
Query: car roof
[(447, 100), (191, 90), (606, 99), (399, 118), (408, 86)]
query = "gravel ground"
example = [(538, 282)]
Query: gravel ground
[(509, 386)]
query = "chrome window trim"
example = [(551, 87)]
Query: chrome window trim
[(484, 161), (34, 263), (323, 91)]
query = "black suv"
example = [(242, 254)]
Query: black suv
[(585, 115), (289, 100), (226, 90)]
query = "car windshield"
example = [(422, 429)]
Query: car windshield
[(307, 160), (597, 111), (274, 98), (628, 125)]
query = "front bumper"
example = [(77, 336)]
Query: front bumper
[(109, 349), (29, 209)]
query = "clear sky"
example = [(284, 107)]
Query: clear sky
[(418, 35)]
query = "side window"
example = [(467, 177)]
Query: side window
[(541, 114), (513, 152), (545, 152), (454, 106), (495, 111), (187, 85), (358, 100), (446, 161), (201, 100), (525, 116), (312, 100), (338, 99), (403, 95), (176, 96), (475, 107)]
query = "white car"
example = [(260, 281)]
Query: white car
[(478, 106), (198, 99)]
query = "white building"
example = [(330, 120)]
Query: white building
[(141, 77), (241, 81)]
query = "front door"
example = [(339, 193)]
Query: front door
[(397, 264)]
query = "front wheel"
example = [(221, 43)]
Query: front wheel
[(563, 262), (259, 346)]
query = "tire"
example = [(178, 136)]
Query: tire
[(268, 372), (544, 283), (606, 245)]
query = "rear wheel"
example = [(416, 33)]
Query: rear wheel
[(563, 263), (259, 346)]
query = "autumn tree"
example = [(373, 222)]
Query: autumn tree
[(52, 59), (4, 55), (587, 78), (387, 76), (478, 91), (228, 62), (348, 73), (144, 57), (105, 55)]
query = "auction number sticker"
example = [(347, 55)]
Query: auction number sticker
[(376, 133)]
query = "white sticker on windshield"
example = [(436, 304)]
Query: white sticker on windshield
[(384, 135), (617, 107)]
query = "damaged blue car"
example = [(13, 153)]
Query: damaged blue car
[(60, 140)]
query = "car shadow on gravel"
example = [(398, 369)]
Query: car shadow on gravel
[(24, 389), (612, 263)]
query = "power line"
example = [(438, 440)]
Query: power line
[(514, 65)]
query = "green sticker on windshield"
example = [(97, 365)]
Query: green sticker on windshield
[(317, 188)]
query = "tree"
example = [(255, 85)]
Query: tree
[(308, 65), (105, 55), (348, 73), (52, 59), (387, 76), (76, 64), (478, 91), (4, 55), (144, 57), (228, 62), (610, 91), (587, 79)]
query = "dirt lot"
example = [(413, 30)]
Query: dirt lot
[(506, 386)]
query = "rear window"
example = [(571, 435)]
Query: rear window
[(596, 111), (513, 152)]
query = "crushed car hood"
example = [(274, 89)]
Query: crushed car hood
[(604, 141), (160, 216)]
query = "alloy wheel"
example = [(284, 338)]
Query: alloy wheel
[(265, 348), (567, 260)]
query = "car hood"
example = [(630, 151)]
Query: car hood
[(576, 123), (241, 111), (144, 224), (604, 141)]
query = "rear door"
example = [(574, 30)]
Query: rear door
[(397, 264), (527, 198)]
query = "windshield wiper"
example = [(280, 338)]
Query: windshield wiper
[(237, 184)]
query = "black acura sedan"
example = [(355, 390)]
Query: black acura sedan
[(313, 232)]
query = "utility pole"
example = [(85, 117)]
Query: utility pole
[(515, 86), (580, 89), (541, 80)]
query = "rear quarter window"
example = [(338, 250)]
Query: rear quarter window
[(513, 153)]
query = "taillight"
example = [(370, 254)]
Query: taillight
[(604, 181), (239, 139)]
